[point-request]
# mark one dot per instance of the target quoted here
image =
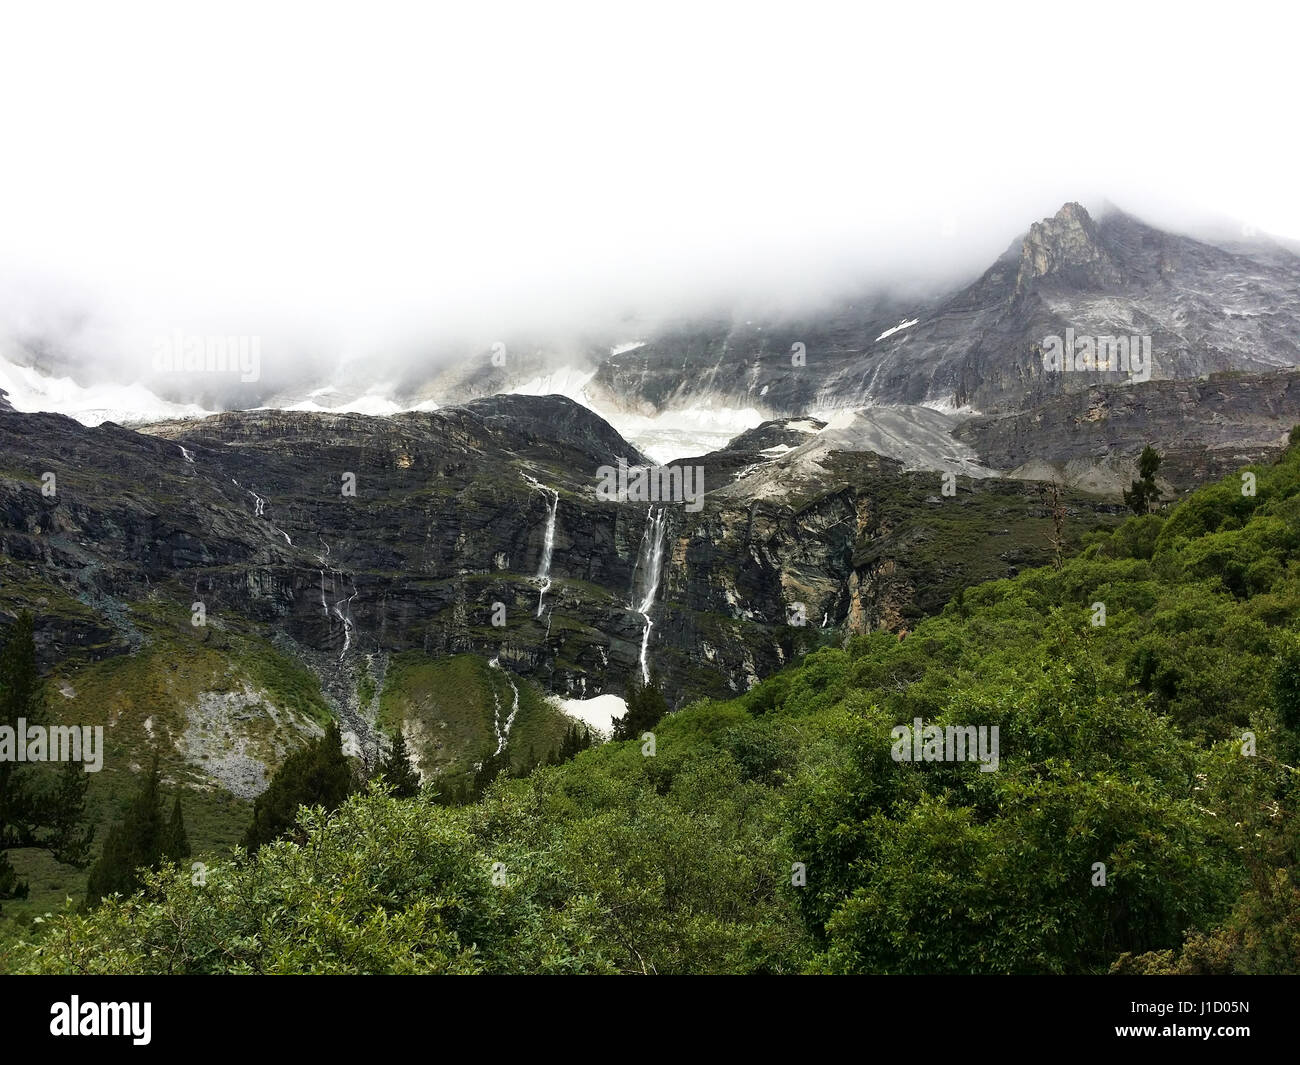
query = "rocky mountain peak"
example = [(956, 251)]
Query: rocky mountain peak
[(1067, 245)]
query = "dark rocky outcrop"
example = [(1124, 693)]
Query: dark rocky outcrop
[(247, 513), (1203, 428)]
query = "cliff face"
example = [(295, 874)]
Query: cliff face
[(1207, 309), (249, 514), (1202, 428), (1067, 248)]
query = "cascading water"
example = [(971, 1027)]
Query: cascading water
[(649, 564), (347, 622), (503, 731), (323, 559), (259, 507), (548, 544), (339, 605)]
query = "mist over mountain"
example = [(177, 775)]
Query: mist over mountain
[(687, 382), (594, 489)]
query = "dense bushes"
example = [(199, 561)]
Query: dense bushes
[(776, 832)]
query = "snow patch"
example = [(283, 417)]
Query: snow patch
[(948, 405), (567, 381), (803, 425), (31, 391), (686, 433), (599, 712), (896, 329)]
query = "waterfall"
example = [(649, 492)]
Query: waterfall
[(649, 562), (189, 455), (259, 511), (503, 732), (548, 545), (347, 622), (346, 619)]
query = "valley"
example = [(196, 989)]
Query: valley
[(479, 572)]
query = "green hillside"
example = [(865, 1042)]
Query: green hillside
[(449, 709), (777, 833), (223, 709)]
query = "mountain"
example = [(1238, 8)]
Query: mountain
[(1207, 309), (1209, 306), (1127, 824), (206, 589), (220, 587)]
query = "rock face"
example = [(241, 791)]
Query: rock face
[(1204, 428), (1224, 314), (1207, 308), (1067, 248), (346, 536)]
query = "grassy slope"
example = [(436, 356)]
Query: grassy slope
[(447, 707), (1121, 743), (141, 700)]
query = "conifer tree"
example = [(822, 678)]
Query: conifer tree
[(315, 775), (1144, 493), (646, 707), (488, 771), (42, 804), (133, 843), (175, 843), (398, 771)]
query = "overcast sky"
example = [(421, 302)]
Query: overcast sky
[(371, 171)]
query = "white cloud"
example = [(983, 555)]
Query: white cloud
[(364, 176)]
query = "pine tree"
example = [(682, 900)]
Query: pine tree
[(175, 843), (315, 775), (1144, 494), (66, 816), (133, 843), (398, 771), (42, 804), (577, 738), (646, 707), (488, 771)]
